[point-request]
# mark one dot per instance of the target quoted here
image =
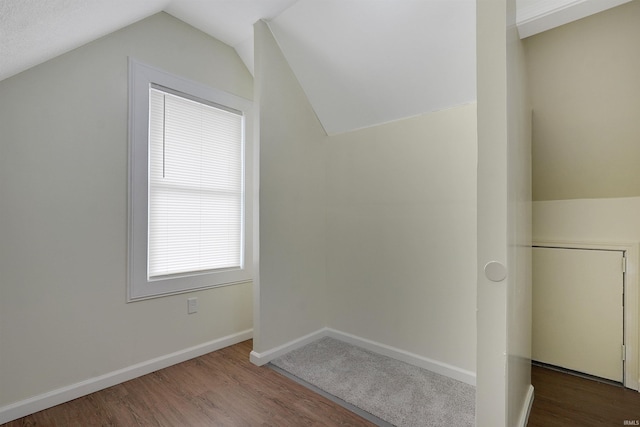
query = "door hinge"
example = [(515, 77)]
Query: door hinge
[(624, 264), (624, 352)]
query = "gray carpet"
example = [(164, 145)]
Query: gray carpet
[(394, 391)]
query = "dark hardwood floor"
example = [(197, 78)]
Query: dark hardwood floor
[(218, 389), (224, 389), (567, 400)]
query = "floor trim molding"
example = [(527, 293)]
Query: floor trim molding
[(526, 407), (438, 367), (262, 358), (55, 397), (432, 365)]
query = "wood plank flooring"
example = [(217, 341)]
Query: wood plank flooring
[(567, 400), (218, 389), (224, 389)]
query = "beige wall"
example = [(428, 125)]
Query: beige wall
[(586, 132), (401, 228), (599, 223), (292, 278), (371, 232), (585, 92), (63, 216), (588, 220)]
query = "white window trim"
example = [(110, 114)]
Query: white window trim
[(141, 76)]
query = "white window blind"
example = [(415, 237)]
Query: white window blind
[(196, 188)]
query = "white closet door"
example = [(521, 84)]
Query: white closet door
[(578, 310)]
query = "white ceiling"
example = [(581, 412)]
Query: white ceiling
[(34, 31), (361, 62), (230, 21), (364, 63)]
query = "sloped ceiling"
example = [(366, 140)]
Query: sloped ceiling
[(364, 63), (361, 62), (230, 21), (34, 31)]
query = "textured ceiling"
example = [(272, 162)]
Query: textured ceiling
[(34, 31)]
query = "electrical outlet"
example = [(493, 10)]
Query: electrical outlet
[(192, 305)]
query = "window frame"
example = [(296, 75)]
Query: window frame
[(139, 286)]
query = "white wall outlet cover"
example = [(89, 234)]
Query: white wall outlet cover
[(495, 271), (192, 305)]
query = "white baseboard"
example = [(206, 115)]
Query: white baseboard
[(438, 367), (526, 408), (73, 391), (267, 356), (441, 368)]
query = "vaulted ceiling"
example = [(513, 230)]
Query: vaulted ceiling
[(379, 61), (361, 62)]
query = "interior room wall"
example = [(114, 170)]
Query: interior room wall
[(63, 219), (293, 248), (372, 232), (588, 220), (519, 165), (503, 392), (586, 133), (586, 102), (401, 228)]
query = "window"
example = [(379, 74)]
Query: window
[(189, 197)]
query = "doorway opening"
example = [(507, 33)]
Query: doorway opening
[(585, 309)]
